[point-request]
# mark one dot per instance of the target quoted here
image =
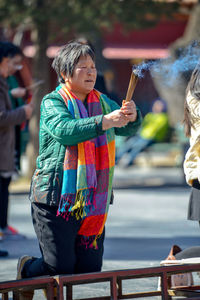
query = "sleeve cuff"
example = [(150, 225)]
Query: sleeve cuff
[(98, 122)]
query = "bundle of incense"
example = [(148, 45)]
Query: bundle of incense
[(132, 85), (37, 83)]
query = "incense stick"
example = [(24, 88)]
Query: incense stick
[(34, 84), (132, 86)]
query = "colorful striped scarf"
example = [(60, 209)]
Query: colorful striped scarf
[(88, 169)]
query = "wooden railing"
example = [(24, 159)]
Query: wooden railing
[(115, 279), (14, 286)]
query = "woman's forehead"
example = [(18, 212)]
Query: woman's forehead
[(85, 58)]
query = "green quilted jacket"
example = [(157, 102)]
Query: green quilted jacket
[(57, 129)]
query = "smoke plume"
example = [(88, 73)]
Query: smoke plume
[(169, 69)]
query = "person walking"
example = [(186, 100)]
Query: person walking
[(72, 185), (9, 118)]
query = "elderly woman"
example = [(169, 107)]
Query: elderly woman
[(72, 186)]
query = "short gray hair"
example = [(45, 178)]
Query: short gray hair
[(68, 56)]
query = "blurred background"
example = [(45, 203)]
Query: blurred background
[(123, 33)]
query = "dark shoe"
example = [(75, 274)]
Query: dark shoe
[(21, 262), (23, 293), (3, 253)]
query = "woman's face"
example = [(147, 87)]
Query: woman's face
[(15, 64), (4, 67), (84, 77)]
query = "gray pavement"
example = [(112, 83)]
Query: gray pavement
[(148, 216)]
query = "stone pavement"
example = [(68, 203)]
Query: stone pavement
[(148, 216)]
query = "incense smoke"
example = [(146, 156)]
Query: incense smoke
[(170, 70)]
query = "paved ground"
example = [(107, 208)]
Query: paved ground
[(148, 216)]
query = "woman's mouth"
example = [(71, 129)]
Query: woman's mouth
[(89, 80)]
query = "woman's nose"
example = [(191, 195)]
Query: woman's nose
[(90, 70)]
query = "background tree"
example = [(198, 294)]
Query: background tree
[(49, 19)]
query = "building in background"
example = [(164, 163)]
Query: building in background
[(124, 49)]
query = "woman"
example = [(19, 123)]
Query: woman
[(71, 187), (192, 173), (192, 160), (9, 118), (15, 55), (192, 130)]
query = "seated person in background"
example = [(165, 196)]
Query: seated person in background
[(177, 253), (154, 129)]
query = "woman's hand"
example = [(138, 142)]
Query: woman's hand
[(129, 110), (18, 92), (114, 119), (28, 110)]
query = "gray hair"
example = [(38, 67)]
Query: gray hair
[(68, 56)]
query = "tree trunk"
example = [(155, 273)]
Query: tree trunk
[(40, 71)]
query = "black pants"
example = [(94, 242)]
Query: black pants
[(194, 202), (60, 245), (4, 197)]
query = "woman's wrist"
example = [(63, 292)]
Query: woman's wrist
[(106, 123)]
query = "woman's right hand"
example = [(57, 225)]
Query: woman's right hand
[(18, 92), (114, 119), (28, 110)]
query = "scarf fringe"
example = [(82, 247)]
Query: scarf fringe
[(78, 205), (90, 241)]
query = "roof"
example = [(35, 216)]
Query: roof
[(129, 53), (150, 43)]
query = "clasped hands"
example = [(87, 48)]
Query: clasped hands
[(120, 117)]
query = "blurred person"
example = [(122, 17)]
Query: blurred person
[(154, 128), (191, 163), (9, 118), (72, 185), (16, 93), (192, 130)]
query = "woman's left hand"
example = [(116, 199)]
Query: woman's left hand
[(129, 110)]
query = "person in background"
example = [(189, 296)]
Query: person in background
[(72, 185), (155, 126), (9, 118), (192, 130), (16, 94), (191, 161)]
